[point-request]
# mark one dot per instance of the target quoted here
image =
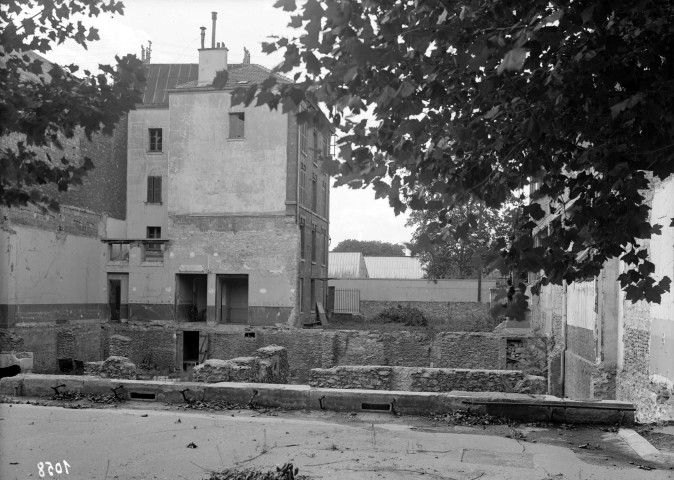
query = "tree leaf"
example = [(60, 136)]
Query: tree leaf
[(513, 60)]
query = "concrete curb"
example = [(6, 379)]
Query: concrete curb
[(644, 449), (523, 407)]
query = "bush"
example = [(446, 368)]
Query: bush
[(408, 316)]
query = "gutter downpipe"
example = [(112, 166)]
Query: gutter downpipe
[(564, 339)]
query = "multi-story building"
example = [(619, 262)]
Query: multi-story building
[(226, 221)]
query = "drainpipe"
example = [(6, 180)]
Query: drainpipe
[(564, 339)]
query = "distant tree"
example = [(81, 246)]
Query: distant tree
[(446, 251), (42, 104), (480, 98), (371, 248)]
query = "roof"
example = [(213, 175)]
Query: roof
[(346, 265), (394, 267), (162, 77)]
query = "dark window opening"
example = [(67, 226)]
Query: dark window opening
[(303, 137), (232, 298), (155, 140), (302, 242), (119, 252), (191, 297), (153, 251), (315, 151), (313, 294), (301, 295), (249, 334), (154, 189), (236, 125), (313, 246), (314, 195)]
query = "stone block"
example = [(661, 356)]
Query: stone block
[(112, 367)]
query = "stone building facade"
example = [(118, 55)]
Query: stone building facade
[(605, 347)]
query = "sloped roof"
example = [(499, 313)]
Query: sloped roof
[(346, 265), (394, 267), (162, 77)]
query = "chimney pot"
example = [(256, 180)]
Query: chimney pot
[(203, 36), (214, 16)]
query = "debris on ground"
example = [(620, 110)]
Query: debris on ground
[(286, 472), (219, 405), (192, 445), (468, 418)]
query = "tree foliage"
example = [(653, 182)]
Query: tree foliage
[(42, 104), (446, 251), (371, 248), (480, 98)]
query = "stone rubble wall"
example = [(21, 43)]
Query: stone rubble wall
[(112, 367), (427, 379), (268, 365)]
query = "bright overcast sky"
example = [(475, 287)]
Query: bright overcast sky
[(173, 28)]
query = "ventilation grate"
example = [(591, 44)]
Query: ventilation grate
[(379, 407)]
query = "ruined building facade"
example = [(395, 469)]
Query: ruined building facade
[(218, 220)]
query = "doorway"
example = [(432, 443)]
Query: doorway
[(191, 297), (232, 298), (115, 299), (193, 352)]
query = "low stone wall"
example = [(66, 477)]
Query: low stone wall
[(427, 379), (268, 365), (112, 367), (23, 359), (459, 316)]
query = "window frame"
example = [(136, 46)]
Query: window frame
[(241, 120), (155, 137), (153, 189)]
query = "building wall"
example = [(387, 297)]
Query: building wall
[(646, 337), (53, 294), (400, 290), (143, 163), (309, 349), (211, 174)]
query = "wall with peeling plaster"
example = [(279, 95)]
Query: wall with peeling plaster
[(210, 173)]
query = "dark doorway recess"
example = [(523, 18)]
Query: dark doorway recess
[(191, 297), (115, 300), (232, 298)]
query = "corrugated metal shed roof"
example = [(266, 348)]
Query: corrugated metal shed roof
[(346, 265), (162, 77), (394, 267)]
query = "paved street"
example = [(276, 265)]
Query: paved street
[(146, 443)]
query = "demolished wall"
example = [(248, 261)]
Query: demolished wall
[(412, 379)]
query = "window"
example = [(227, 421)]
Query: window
[(153, 189), (303, 137), (302, 244), (301, 296), (325, 249), (155, 140), (236, 125), (153, 251), (313, 295), (325, 199), (313, 246), (314, 194), (303, 180), (315, 152), (119, 252)]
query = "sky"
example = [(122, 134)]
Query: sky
[(173, 28)]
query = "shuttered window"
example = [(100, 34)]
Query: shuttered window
[(154, 189)]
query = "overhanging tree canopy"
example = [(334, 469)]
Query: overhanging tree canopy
[(41, 103), (477, 99)]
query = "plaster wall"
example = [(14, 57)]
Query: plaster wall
[(213, 174), (401, 290), (143, 163)]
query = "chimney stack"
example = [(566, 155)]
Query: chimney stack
[(211, 60), (214, 16), (246, 56)]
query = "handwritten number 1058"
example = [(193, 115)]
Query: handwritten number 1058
[(51, 469)]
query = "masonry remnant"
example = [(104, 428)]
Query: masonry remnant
[(267, 365), (112, 367)]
